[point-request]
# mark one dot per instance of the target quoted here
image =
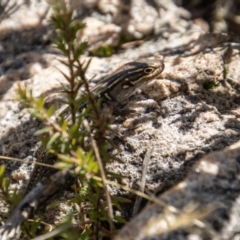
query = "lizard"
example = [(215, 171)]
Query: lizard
[(117, 87)]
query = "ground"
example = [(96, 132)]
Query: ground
[(189, 111)]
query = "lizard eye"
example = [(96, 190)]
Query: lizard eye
[(148, 70)]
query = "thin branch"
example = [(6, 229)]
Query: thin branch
[(143, 181), (103, 176)]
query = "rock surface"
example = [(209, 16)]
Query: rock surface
[(190, 111)]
